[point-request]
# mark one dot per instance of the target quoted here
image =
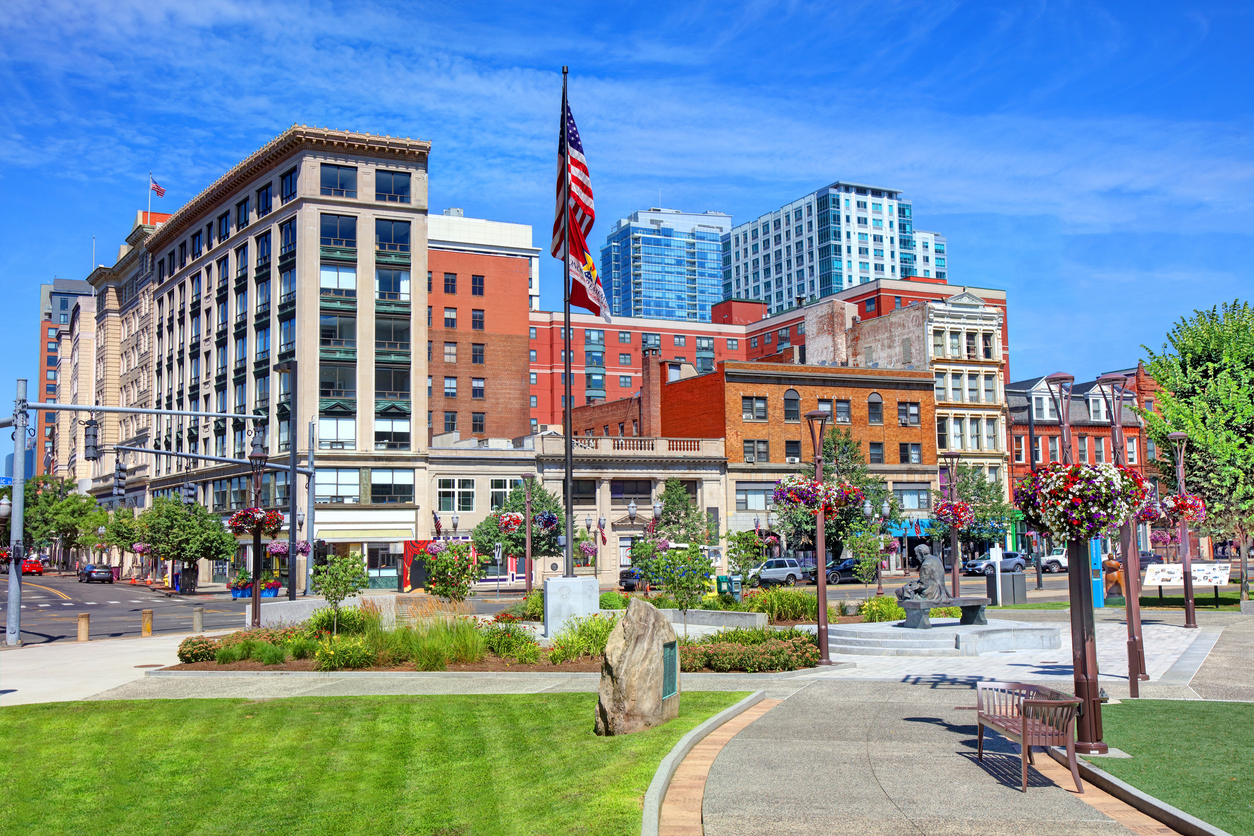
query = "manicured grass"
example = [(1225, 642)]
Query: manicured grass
[(418, 766), (1194, 755)]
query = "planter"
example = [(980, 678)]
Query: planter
[(270, 593), (243, 593)]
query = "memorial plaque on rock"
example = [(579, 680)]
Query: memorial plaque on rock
[(640, 685)]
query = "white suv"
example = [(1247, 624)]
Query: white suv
[(1055, 561), (780, 570)]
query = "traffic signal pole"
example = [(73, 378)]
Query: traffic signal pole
[(13, 626)]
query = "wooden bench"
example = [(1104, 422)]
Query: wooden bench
[(1030, 715), (917, 611)]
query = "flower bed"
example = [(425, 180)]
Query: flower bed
[(1080, 501), (750, 651)]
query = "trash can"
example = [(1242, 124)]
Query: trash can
[(1014, 588), (117, 573), (723, 584)]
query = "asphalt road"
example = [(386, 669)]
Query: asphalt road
[(51, 606)]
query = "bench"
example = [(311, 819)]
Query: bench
[(1030, 715), (917, 611)]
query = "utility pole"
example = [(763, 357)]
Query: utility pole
[(13, 627)]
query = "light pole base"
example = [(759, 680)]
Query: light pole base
[(1098, 748), (824, 663)]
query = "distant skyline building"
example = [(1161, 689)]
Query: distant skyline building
[(831, 239), (665, 264), (56, 303)]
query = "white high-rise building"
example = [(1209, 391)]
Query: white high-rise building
[(831, 239), (930, 255)]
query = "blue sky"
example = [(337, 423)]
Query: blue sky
[(1092, 159)]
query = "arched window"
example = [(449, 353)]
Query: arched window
[(792, 405), (875, 409)]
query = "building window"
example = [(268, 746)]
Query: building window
[(911, 498), (875, 452), (450, 422), (391, 486), (450, 387), (450, 352), (624, 337), (476, 320), (450, 317), (499, 490), (624, 381), (957, 425), (753, 342), (477, 423), (754, 499), (391, 236), (391, 186), (1131, 451), (391, 434), (680, 340), (1099, 449), (973, 388), (1082, 444), (450, 283), (265, 200), (476, 285), (942, 433), (992, 439), (870, 303), (733, 345), (753, 409), (535, 401), (287, 186), (757, 451), (476, 388), (392, 285), (792, 406), (990, 388), (476, 353), (531, 355), (456, 494), (908, 413), (1018, 449), (535, 378), (987, 339), (910, 453), (338, 180), (874, 409), (792, 450), (1053, 449), (844, 414), (624, 359), (338, 231), (337, 484)]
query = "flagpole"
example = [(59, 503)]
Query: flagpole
[(148, 217), (566, 417)]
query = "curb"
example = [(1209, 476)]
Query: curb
[(1161, 811), (666, 770)]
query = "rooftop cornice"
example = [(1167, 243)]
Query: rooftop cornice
[(294, 139)]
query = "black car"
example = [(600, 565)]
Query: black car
[(628, 579), (840, 571), (1149, 557), (93, 572)]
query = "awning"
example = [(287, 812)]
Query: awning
[(908, 528)]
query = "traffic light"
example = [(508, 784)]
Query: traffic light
[(188, 490), (119, 478), (320, 551), (91, 440)]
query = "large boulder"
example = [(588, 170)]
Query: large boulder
[(632, 673)]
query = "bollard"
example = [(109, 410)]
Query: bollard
[(198, 619), (84, 626), (146, 623)]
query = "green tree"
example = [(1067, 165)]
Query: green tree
[(42, 495), (1206, 375), (681, 520), (988, 503), (451, 574), (488, 533), (123, 529), (184, 533), (745, 552), (865, 546), (842, 461), (75, 519), (342, 577), (684, 572)]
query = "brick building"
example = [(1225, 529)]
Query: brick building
[(56, 302)]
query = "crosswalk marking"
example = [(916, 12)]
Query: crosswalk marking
[(92, 603), (45, 605), (113, 602), (67, 604)]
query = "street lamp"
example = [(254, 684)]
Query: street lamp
[(868, 511), (1179, 441), (526, 480), (257, 461), (817, 421), (955, 549), (631, 510), (587, 523), (455, 521), (1113, 389), (300, 520), (657, 510)]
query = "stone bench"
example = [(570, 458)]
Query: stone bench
[(917, 611)]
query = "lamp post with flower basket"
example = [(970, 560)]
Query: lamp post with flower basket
[(1114, 392), (955, 548), (1183, 510)]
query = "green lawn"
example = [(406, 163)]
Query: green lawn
[(499, 764), (1194, 755)]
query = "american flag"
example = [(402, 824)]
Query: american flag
[(156, 187), (601, 528), (573, 220), (438, 528)]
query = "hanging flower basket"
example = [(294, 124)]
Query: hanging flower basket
[(245, 520), (588, 548), (1080, 501), (815, 496), (510, 521), (956, 514), (436, 547), (1152, 511), (1188, 507), (141, 548), (277, 548), (1164, 537), (303, 548), (546, 520)]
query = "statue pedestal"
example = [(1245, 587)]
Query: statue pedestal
[(567, 598)]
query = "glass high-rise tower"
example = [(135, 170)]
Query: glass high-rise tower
[(665, 264)]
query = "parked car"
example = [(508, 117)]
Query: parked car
[(777, 570), (628, 579), (1149, 557), (1055, 561), (983, 565), (839, 571), (94, 572), (31, 566)]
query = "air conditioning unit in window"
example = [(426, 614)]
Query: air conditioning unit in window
[(793, 460), (905, 422), (750, 459)]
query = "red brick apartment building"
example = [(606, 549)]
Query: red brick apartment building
[(739, 330), (476, 344)]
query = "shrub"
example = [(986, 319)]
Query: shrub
[(772, 655), (509, 641), (881, 608), (723, 603), (197, 649), (343, 653), (782, 604), (613, 601), (582, 637), (508, 616), (466, 642), (451, 571), (352, 621), (301, 647), (271, 654), (228, 654), (533, 606), (273, 635), (750, 636), (429, 656), (691, 657)]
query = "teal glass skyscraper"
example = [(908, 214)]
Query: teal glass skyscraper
[(665, 264)]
